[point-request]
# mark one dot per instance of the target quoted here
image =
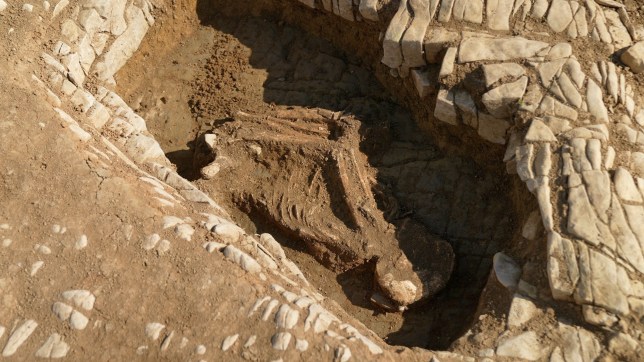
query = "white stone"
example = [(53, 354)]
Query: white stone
[(532, 226), (229, 233), (521, 311), (3, 5), (35, 267), (62, 310), (151, 241), (153, 330), (242, 259), (502, 49), (501, 100), (54, 347), (560, 15), (562, 268), (525, 346), (184, 231), (229, 342), (281, 340), (81, 298), (581, 216), (81, 243), (78, 320), (539, 132), (286, 317), (18, 337), (625, 186)]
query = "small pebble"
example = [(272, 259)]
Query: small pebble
[(153, 330), (200, 350), (251, 340), (164, 246), (81, 243), (229, 342), (151, 242), (35, 267), (78, 320), (56, 228), (6, 242)]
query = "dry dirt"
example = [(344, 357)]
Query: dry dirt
[(207, 68)]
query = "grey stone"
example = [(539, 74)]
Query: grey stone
[(447, 67), (563, 271), (54, 347), (18, 337), (281, 340), (466, 105), (125, 45), (507, 271), (445, 110), (493, 129), (599, 191)]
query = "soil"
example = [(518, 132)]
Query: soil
[(208, 71)]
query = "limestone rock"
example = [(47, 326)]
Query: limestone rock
[(495, 72), (539, 132), (634, 57), (521, 311), (502, 49), (525, 346), (500, 101)]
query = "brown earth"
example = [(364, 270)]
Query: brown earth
[(207, 68)]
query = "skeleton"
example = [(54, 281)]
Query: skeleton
[(308, 177)]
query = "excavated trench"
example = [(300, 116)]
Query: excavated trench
[(200, 72)]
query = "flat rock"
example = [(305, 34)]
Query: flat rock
[(559, 16), (483, 48), (539, 132)]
